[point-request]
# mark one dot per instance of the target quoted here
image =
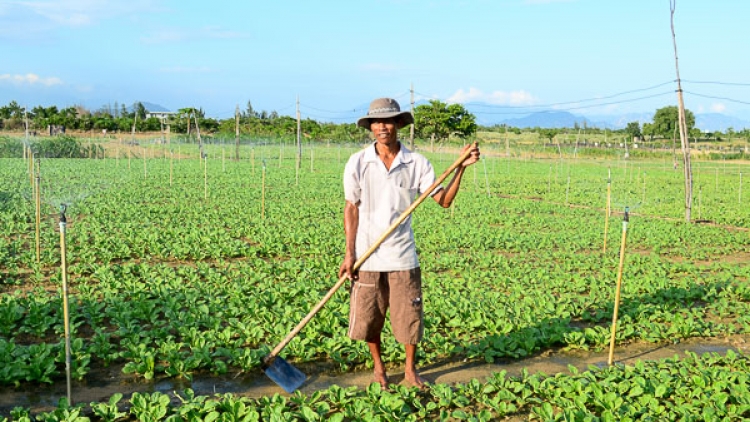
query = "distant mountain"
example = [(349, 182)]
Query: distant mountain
[(563, 119), (152, 107), (549, 120), (719, 122)]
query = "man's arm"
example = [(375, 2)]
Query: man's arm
[(445, 197), (351, 223)]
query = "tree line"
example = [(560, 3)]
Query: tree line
[(435, 121)]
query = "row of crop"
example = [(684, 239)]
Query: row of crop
[(707, 387), (174, 321), (126, 217)]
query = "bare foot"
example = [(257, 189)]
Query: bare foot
[(415, 380), (382, 379)]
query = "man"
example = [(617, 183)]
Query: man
[(380, 183)]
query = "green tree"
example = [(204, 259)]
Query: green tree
[(439, 121), (633, 129), (140, 110), (665, 121), (548, 134)]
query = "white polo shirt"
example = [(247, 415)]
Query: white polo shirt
[(382, 195)]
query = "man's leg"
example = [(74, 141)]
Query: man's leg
[(378, 368), (410, 371)]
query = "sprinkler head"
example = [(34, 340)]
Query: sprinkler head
[(627, 216), (63, 207)]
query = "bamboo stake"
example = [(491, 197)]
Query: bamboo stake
[(608, 210), (171, 166), (486, 180), (549, 181), (618, 288), (38, 206), (31, 169), (263, 193), (205, 178), (66, 311)]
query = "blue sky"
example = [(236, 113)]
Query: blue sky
[(589, 57)]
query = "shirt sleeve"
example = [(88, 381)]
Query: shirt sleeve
[(352, 187), (427, 178)]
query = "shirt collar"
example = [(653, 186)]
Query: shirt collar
[(403, 156)]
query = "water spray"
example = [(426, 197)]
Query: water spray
[(619, 285), (66, 312)]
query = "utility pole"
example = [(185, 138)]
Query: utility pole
[(411, 130), (684, 141), (237, 133)]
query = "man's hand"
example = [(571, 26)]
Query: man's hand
[(474, 157), (346, 268)]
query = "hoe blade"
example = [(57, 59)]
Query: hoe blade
[(284, 374)]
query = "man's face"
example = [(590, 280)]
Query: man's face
[(384, 130)]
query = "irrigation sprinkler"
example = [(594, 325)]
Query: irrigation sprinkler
[(740, 199), (66, 311), (617, 289), (171, 167), (567, 190), (205, 178)]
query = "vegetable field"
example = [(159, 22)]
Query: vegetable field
[(181, 267)]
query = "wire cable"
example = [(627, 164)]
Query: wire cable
[(717, 98)]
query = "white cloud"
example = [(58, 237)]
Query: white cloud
[(514, 98), (82, 12), (718, 107), (30, 79)]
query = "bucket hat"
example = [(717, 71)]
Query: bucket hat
[(384, 108)]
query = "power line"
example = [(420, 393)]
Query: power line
[(717, 98), (717, 83), (575, 101)]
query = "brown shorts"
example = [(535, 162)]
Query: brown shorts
[(374, 293)]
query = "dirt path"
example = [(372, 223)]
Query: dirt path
[(99, 386)]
